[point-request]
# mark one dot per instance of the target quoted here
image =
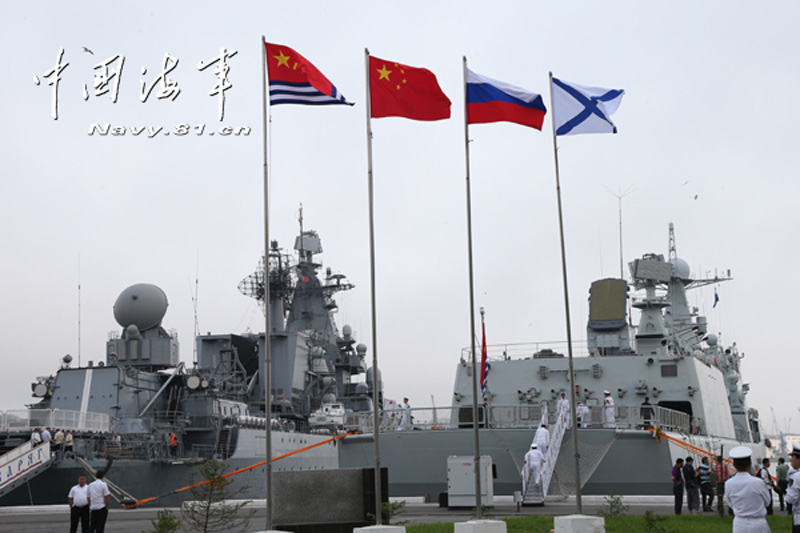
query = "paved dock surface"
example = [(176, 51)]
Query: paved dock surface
[(56, 517)]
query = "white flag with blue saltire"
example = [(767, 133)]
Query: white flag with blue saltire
[(580, 109)]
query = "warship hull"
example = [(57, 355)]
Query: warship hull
[(145, 479), (627, 462)]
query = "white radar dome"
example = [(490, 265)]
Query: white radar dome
[(681, 268), (711, 339), (142, 305)]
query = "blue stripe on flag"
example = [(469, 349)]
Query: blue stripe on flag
[(302, 93), (478, 93)]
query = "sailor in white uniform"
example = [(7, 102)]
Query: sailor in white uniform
[(532, 469), (405, 421), (542, 439), (793, 492), (611, 421), (747, 496), (563, 404), (583, 414)]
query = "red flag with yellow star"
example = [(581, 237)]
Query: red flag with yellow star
[(401, 91)]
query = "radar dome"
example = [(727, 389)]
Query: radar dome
[(142, 305), (711, 339), (681, 268)]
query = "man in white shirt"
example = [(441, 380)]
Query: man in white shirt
[(36, 437), (793, 492), (79, 506), (98, 503), (747, 496)]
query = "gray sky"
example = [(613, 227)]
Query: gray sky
[(706, 137)]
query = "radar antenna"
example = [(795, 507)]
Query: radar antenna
[(673, 253)]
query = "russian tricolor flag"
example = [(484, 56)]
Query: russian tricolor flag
[(491, 100)]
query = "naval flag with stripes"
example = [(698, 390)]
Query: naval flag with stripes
[(294, 80), (580, 109)]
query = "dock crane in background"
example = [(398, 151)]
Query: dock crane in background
[(779, 431)]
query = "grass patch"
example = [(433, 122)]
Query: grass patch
[(624, 524)]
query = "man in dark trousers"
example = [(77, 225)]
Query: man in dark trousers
[(767, 478), (98, 503), (677, 485), (691, 483), (79, 506), (782, 477)]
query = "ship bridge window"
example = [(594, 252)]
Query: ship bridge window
[(669, 371)]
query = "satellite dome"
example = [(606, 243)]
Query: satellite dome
[(681, 268), (711, 339), (142, 305)]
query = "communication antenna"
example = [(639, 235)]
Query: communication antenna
[(79, 310), (195, 297), (619, 195)]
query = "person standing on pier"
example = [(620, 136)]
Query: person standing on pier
[(677, 485), (746, 495), (782, 477), (79, 506), (793, 492), (98, 503)]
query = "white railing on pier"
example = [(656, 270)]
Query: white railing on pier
[(29, 419)]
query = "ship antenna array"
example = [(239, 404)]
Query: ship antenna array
[(619, 195)]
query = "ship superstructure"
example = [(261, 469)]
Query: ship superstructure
[(148, 417), (692, 384)]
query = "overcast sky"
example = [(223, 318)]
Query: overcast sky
[(707, 139)]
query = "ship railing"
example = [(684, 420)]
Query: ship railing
[(497, 416), (526, 416), (29, 419), (637, 417), (528, 350)]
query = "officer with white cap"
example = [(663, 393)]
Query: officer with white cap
[(532, 469), (608, 401), (747, 496), (793, 493)]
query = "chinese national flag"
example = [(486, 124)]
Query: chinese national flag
[(401, 91)]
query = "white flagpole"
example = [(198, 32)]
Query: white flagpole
[(375, 384), (267, 350), (475, 420), (566, 309)]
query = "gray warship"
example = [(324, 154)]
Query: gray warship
[(122, 411), (694, 384)]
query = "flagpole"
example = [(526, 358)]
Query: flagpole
[(572, 398), (267, 348), (375, 384), (475, 433)]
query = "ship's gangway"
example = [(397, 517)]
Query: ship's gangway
[(22, 464), (535, 493)]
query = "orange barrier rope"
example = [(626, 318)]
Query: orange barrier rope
[(687, 446), (692, 447), (138, 503)]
